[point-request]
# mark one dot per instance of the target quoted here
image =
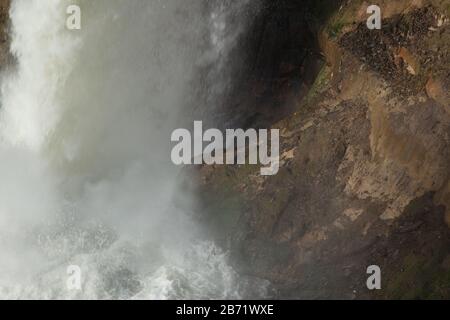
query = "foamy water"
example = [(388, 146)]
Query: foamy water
[(85, 124)]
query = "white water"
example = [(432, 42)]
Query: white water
[(85, 170)]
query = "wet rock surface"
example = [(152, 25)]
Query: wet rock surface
[(365, 168)]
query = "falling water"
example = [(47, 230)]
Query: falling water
[(85, 124)]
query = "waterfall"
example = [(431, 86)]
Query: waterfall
[(85, 123)]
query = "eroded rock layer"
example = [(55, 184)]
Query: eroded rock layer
[(365, 176)]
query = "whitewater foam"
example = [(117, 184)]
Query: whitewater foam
[(86, 176)]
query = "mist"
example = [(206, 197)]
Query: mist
[(85, 125)]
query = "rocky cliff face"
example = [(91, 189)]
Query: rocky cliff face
[(365, 176), (4, 25)]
